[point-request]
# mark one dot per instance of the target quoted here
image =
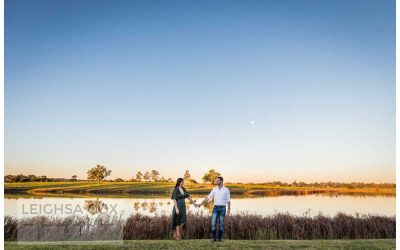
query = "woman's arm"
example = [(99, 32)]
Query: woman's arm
[(176, 207), (174, 197), (191, 200)]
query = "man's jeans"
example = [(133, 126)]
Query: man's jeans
[(218, 214)]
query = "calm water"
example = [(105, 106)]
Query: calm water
[(297, 205)]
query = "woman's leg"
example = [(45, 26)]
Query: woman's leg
[(181, 230), (177, 233)]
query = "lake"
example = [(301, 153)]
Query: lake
[(296, 205)]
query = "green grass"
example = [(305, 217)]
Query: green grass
[(164, 188), (206, 244)]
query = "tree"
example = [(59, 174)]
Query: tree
[(146, 176), (98, 173), (186, 175), (154, 175), (188, 178), (32, 177), (20, 177), (139, 176), (211, 176), (119, 180), (9, 178), (74, 177)]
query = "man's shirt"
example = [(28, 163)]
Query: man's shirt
[(221, 196)]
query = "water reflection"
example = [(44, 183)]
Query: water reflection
[(150, 206), (297, 205), (95, 207), (274, 193)]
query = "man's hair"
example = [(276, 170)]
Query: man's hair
[(220, 178)]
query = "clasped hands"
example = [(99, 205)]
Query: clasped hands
[(196, 205)]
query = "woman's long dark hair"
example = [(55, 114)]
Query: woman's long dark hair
[(178, 182)]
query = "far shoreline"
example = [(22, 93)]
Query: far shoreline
[(111, 188)]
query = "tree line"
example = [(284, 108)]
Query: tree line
[(100, 173)]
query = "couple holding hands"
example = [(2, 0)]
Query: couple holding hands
[(221, 196)]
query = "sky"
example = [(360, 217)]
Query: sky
[(258, 90)]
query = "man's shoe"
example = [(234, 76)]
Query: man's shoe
[(220, 240), (214, 240)]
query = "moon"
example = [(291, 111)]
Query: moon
[(252, 122)]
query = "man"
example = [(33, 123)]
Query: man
[(221, 196)]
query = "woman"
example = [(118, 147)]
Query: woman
[(179, 195)]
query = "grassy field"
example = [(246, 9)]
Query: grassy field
[(206, 244), (164, 188)]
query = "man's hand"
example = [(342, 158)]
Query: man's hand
[(204, 202), (228, 212), (176, 210)]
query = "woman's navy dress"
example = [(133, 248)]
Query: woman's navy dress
[(178, 219)]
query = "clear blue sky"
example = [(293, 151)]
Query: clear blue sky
[(258, 90)]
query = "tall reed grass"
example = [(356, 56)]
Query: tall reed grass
[(238, 227)]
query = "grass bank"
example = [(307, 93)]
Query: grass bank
[(206, 244)]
